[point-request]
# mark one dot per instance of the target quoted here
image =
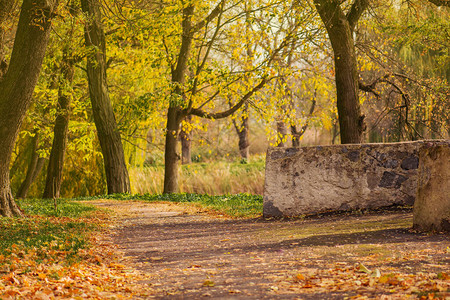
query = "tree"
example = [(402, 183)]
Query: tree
[(340, 28), (57, 153), (17, 85), (411, 72), (186, 142), (177, 110), (110, 141), (61, 127), (34, 167), (242, 129), (213, 77)]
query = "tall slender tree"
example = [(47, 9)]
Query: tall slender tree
[(17, 84), (61, 128), (117, 178), (65, 91)]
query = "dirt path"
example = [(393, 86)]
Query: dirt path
[(190, 254)]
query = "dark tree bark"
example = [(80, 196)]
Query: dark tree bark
[(117, 178), (60, 131), (340, 32), (17, 86), (186, 143), (34, 168), (242, 131)]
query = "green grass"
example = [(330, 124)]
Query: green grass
[(240, 205), (46, 207), (28, 233), (45, 228)]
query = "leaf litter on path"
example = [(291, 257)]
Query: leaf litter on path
[(331, 257)]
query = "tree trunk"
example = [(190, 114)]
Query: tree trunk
[(32, 169), (56, 160), (17, 86), (242, 131), (171, 157), (281, 133), (295, 136), (340, 30), (244, 143), (186, 143), (175, 113), (109, 136)]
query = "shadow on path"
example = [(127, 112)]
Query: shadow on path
[(192, 256)]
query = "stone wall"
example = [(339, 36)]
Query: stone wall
[(432, 205), (340, 177)]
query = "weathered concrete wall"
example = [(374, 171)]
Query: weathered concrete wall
[(432, 205), (340, 177)]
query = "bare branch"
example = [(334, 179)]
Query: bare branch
[(232, 110)]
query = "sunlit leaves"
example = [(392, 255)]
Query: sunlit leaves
[(48, 257)]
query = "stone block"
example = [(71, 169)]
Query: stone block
[(319, 179), (432, 205)]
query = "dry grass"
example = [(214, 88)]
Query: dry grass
[(216, 178)]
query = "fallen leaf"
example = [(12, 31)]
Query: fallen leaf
[(383, 279), (208, 283), (376, 273), (156, 258), (299, 277), (363, 269)]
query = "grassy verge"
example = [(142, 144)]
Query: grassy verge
[(57, 254), (239, 206), (45, 229)]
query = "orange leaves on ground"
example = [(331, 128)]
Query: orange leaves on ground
[(97, 276), (367, 280), (50, 272)]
